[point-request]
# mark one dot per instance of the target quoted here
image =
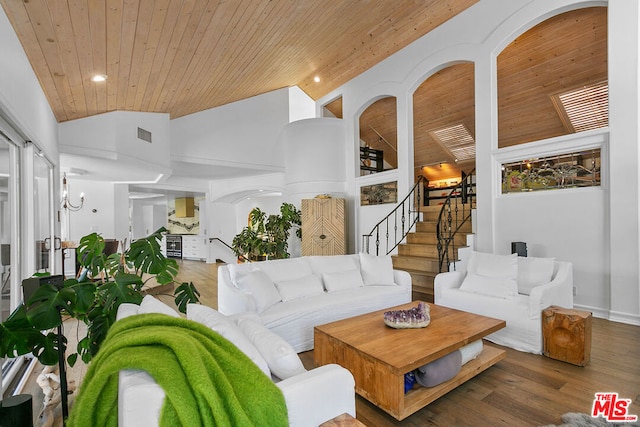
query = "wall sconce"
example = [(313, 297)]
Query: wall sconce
[(66, 203)]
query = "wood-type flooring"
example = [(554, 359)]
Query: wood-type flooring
[(521, 390)]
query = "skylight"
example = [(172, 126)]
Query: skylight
[(458, 141), (584, 108)]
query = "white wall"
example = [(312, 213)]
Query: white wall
[(148, 215), (113, 138), (241, 134), (104, 212)]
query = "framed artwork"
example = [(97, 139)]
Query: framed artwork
[(378, 194)]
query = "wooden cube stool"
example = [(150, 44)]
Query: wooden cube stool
[(567, 335)]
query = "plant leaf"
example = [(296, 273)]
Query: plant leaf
[(85, 295), (185, 294), (90, 253), (43, 309), (46, 350), (17, 334), (72, 359), (146, 255)]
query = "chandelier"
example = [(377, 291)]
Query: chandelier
[(66, 203)]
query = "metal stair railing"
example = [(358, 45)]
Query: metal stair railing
[(405, 215), (240, 257), (455, 212)]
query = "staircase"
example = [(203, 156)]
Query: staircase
[(419, 255)]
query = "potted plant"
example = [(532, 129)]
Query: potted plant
[(94, 299), (266, 236)]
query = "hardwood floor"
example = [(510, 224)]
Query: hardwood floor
[(521, 390)]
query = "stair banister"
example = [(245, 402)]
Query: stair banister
[(408, 218), (450, 219)]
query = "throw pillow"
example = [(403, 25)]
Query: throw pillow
[(257, 284), (300, 288), (534, 272), (500, 287), (342, 280), (492, 275), (440, 370), (150, 304), (470, 351), (376, 270), (492, 265), (282, 359), (127, 309), (229, 330)]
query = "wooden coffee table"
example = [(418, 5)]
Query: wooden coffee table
[(378, 356)]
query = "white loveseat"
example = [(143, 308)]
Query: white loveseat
[(511, 288), (293, 295), (312, 397)]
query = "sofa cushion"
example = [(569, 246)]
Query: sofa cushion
[(492, 275), (492, 265), (342, 280), (280, 270), (302, 287), (376, 270), (257, 284), (282, 359), (499, 287), (150, 304), (229, 330), (333, 263), (534, 272)]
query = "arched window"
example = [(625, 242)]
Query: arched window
[(444, 125), (552, 79), (378, 137)]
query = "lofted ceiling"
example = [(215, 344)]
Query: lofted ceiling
[(565, 52), (184, 56)]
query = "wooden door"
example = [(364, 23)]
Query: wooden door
[(323, 227)]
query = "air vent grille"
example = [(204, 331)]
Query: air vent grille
[(144, 135)]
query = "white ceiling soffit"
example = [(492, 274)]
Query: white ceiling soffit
[(97, 169)]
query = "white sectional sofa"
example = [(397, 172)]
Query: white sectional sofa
[(312, 397), (511, 288), (291, 296)]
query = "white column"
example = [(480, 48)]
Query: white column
[(624, 110)]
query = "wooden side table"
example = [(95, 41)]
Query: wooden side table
[(567, 335), (344, 420)]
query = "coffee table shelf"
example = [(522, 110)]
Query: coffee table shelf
[(379, 356)]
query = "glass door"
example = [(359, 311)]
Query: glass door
[(43, 210), (5, 227)]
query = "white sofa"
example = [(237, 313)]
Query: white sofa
[(511, 288), (312, 397), (293, 295)]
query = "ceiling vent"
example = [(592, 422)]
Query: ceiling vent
[(458, 141), (584, 108), (144, 135)]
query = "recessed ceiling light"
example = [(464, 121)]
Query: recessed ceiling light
[(316, 79), (99, 78)]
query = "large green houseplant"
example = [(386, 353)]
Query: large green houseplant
[(267, 236), (109, 281)]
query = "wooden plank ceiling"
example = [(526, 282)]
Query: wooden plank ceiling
[(184, 56)]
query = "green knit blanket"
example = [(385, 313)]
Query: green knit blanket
[(206, 379)]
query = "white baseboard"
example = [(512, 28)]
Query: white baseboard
[(614, 316)]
